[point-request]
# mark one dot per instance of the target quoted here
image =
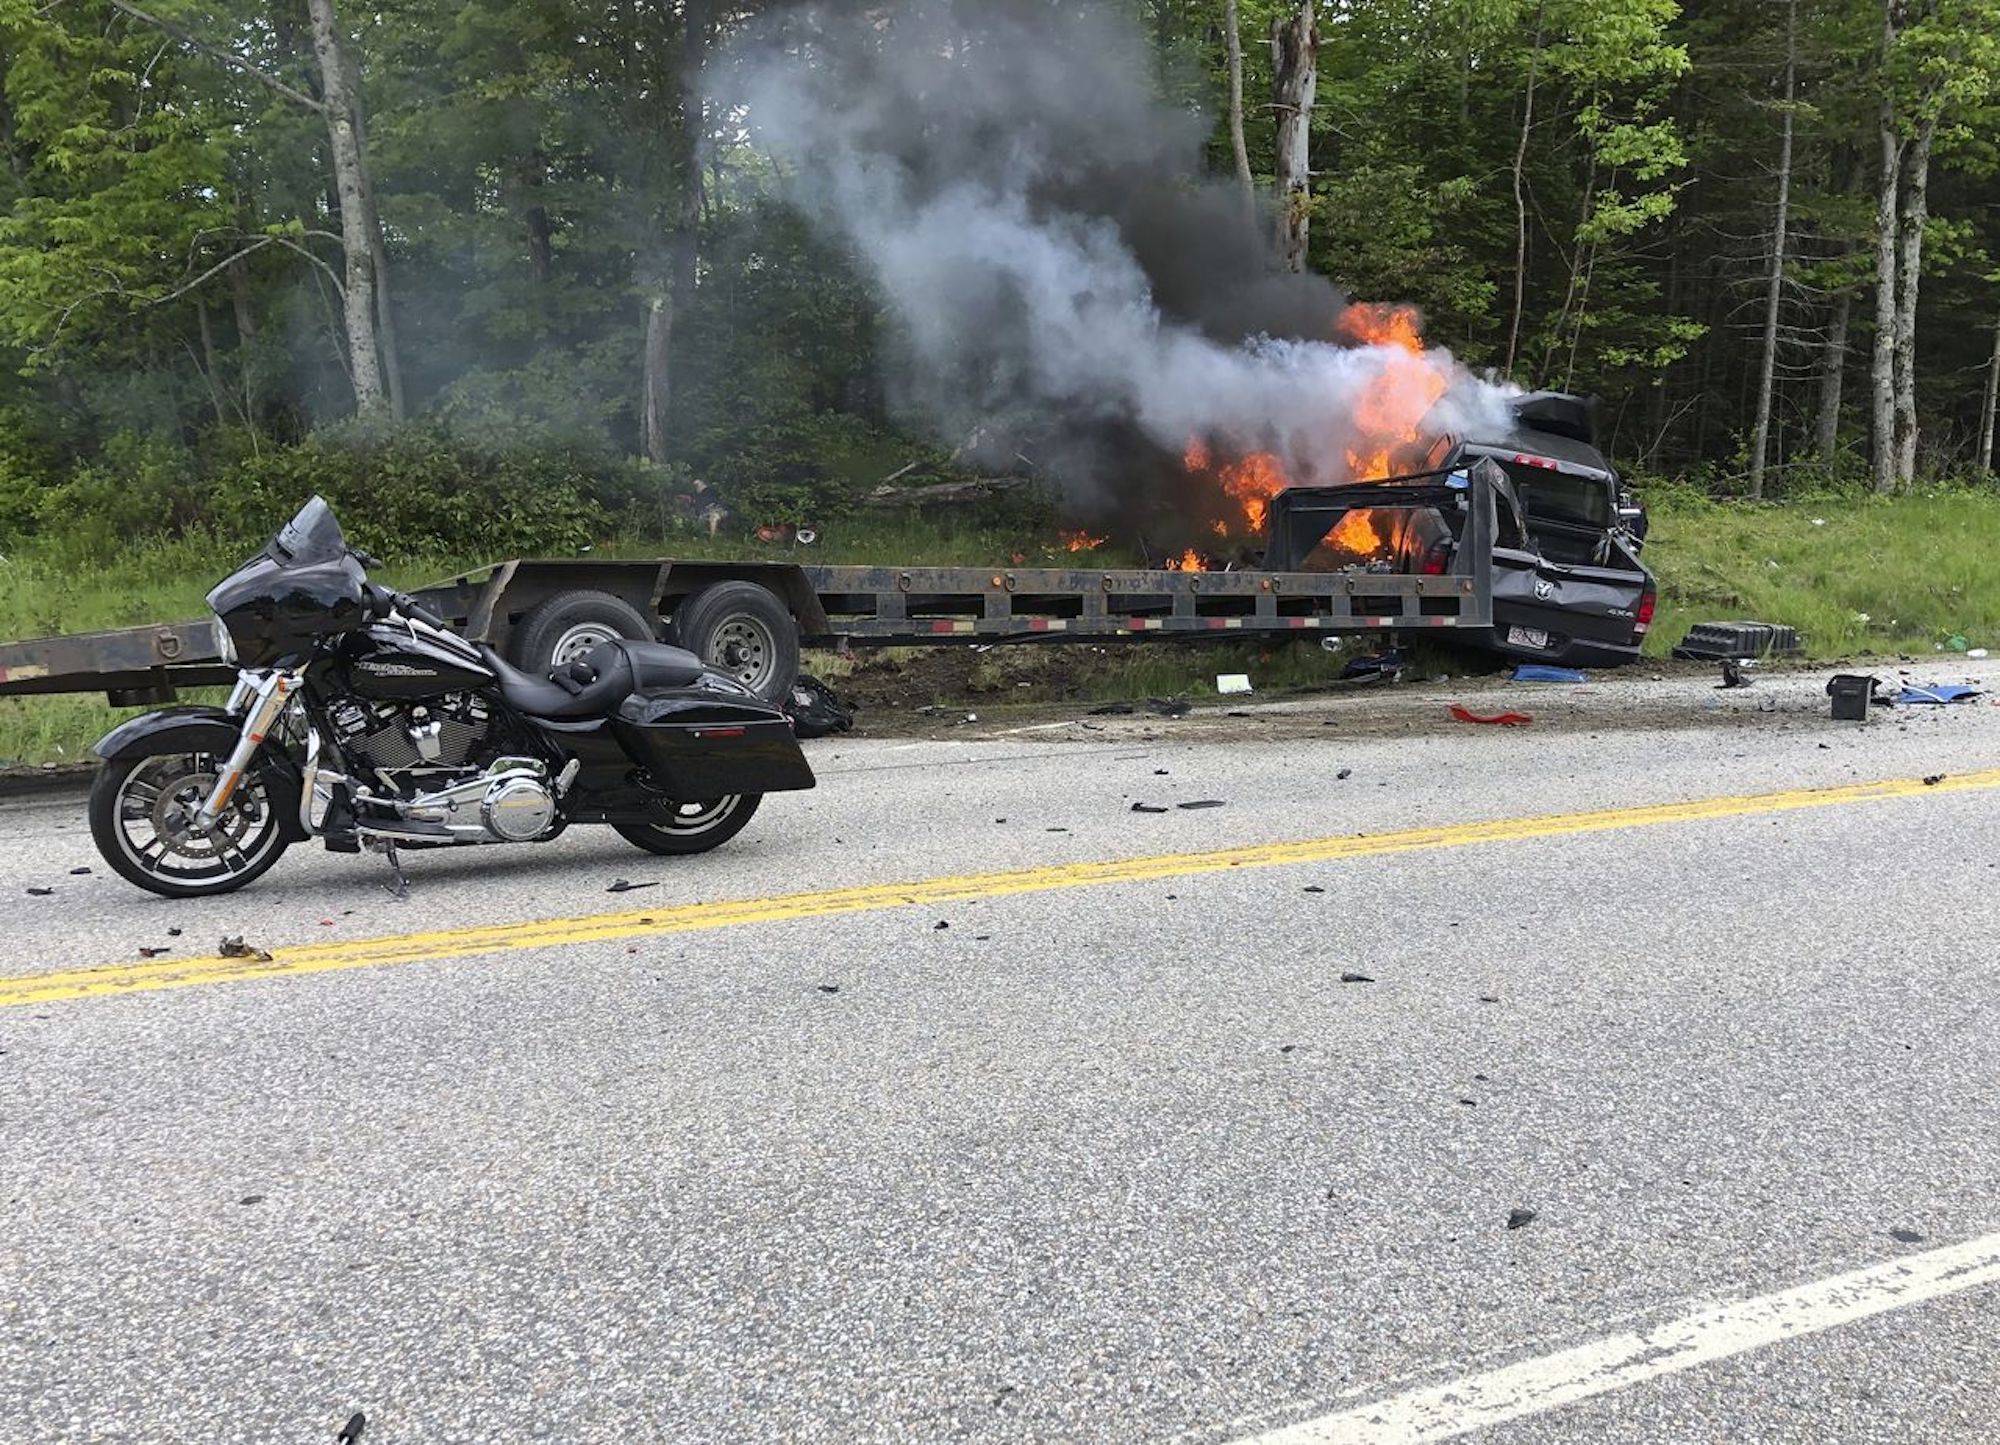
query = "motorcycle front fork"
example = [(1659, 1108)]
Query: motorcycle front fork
[(262, 698)]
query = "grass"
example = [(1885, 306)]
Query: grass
[(1854, 575)]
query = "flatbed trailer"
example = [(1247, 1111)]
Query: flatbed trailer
[(752, 617)]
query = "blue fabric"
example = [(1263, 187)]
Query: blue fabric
[(1541, 672), (1943, 692)]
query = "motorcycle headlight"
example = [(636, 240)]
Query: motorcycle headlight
[(225, 645)]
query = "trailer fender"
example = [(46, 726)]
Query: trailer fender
[(206, 730)]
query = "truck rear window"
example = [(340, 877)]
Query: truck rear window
[(1551, 496)]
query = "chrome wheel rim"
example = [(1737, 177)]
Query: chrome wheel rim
[(744, 648), (155, 810), (697, 817), (578, 641)]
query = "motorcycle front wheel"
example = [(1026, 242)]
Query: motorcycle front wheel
[(693, 827), (141, 811)]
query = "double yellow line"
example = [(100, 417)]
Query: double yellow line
[(115, 979)]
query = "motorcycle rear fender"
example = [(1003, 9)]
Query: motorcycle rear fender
[(206, 730)]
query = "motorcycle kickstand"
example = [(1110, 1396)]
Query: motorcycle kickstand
[(398, 887)]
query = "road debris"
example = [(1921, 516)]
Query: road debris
[(1169, 706), (351, 1431), (1502, 719), (41, 892), (1233, 682), (155, 952), (1850, 692), (1934, 779), (941, 923), (829, 988), (1942, 694), (626, 885), (1736, 672), (79, 872), (234, 947), (1906, 1236), (816, 710), (1149, 808), (1356, 978), (1314, 888), (1343, 775), (1201, 803), (1542, 672), (1113, 709), (1520, 1218)]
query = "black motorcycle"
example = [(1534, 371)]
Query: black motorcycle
[(360, 719)]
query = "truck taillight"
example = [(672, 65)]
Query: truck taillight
[(1644, 618), (1436, 561)]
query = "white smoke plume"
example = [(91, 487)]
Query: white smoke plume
[(1038, 221)]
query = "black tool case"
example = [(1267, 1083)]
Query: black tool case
[(697, 744)]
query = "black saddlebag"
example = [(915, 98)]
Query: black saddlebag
[(697, 744)]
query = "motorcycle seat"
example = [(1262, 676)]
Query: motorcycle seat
[(595, 684)]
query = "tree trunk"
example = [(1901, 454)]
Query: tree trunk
[(357, 248), (378, 248), (684, 244), (1984, 457), (1238, 146), (1521, 199), (1760, 439), (1909, 269), (1882, 366), (1294, 85), (1832, 371)]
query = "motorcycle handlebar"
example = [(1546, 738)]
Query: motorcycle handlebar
[(385, 601)]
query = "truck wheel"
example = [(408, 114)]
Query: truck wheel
[(742, 630), (562, 629)]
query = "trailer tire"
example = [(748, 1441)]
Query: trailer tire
[(569, 624), (745, 631)]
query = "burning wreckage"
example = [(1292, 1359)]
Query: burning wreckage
[(1522, 541)]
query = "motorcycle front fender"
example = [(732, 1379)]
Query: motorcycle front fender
[(206, 730)]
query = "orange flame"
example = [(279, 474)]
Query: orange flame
[(1188, 561), (1082, 541), (1358, 534), (1392, 407)]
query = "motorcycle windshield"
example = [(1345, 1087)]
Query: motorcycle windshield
[(310, 538)]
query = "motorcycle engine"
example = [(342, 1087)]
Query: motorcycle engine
[(412, 746)]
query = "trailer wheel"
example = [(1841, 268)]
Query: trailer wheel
[(569, 624), (745, 631)]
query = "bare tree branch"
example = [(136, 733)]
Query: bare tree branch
[(216, 52)]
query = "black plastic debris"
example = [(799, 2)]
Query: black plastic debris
[(1376, 667), (626, 885), (41, 892), (1906, 1236), (1149, 808), (816, 710), (941, 923), (1202, 803), (1114, 709), (1343, 775), (1286, 1048), (1055, 830), (1489, 998), (1470, 1103), (173, 933), (1161, 773), (234, 947), (79, 872), (1713, 641), (1520, 1218), (1736, 673), (1934, 779), (351, 1431), (829, 988), (1314, 888), (153, 952), (251, 1199), (1169, 706), (1850, 693), (1356, 978)]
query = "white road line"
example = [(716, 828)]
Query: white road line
[(1442, 1412)]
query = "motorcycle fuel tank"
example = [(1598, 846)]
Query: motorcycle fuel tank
[(388, 663)]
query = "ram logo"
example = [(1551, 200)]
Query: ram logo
[(1544, 589)]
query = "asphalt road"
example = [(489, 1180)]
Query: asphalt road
[(1115, 1155)]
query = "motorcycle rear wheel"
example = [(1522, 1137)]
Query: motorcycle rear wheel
[(139, 807), (696, 827)]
